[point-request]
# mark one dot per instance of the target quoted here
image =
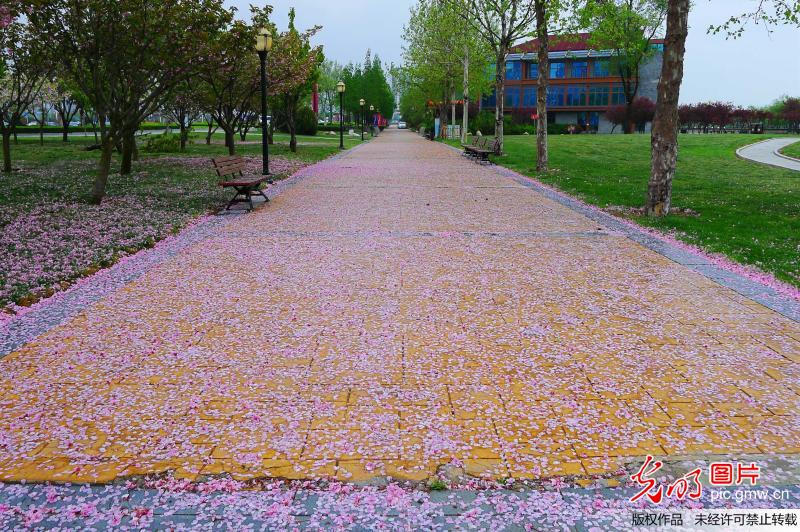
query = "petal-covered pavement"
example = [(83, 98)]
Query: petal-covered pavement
[(398, 309)]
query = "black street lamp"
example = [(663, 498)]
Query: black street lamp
[(340, 88), (372, 117), (264, 45), (363, 118)]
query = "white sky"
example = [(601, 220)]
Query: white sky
[(753, 70)]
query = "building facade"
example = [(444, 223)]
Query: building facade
[(583, 84)]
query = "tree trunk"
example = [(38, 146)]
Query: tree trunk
[(464, 128), (6, 151), (499, 86), (184, 136), (65, 130), (664, 141), (542, 157), (292, 136), (443, 116), (210, 132), (103, 169), (453, 110), (230, 140), (128, 145)]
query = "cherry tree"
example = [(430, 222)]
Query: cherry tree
[(231, 79), (791, 113), (184, 107), (125, 56), (293, 68), (67, 105), (23, 72), (43, 104)]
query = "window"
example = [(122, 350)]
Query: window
[(601, 68), (490, 100), (598, 95), (617, 94), (555, 96), (556, 70), (533, 70), (513, 70), (512, 97), (580, 69), (529, 97), (576, 95)]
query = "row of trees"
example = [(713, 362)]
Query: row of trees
[(367, 81), (716, 116), (626, 27), (125, 60)]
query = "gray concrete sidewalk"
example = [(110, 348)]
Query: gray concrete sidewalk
[(766, 152)]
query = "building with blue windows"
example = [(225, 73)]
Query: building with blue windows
[(583, 83)]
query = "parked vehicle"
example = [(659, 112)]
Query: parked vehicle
[(402, 125)]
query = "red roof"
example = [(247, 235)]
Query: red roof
[(558, 43)]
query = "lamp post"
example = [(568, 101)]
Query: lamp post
[(340, 88), (372, 117), (264, 45), (362, 102)]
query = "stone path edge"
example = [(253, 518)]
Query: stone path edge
[(749, 288), (61, 306), (784, 156)]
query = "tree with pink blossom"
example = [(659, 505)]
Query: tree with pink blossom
[(43, 104), (231, 79), (293, 69), (126, 56)]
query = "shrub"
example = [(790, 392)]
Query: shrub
[(335, 127), (164, 143), (306, 122), (484, 123), (557, 129)]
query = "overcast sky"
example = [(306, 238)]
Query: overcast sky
[(753, 70)]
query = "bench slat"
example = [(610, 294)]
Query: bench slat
[(225, 159), (225, 170), (242, 182)]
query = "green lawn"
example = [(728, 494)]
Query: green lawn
[(747, 211), (50, 235), (792, 150)]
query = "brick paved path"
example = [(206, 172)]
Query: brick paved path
[(398, 309)]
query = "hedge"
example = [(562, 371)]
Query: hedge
[(80, 129)]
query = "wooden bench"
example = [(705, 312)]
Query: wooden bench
[(482, 154), (467, 147), (230, 169), (480, 144)]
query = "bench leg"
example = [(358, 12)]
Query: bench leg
[(234, 200), (260, 192), (240, 191)]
